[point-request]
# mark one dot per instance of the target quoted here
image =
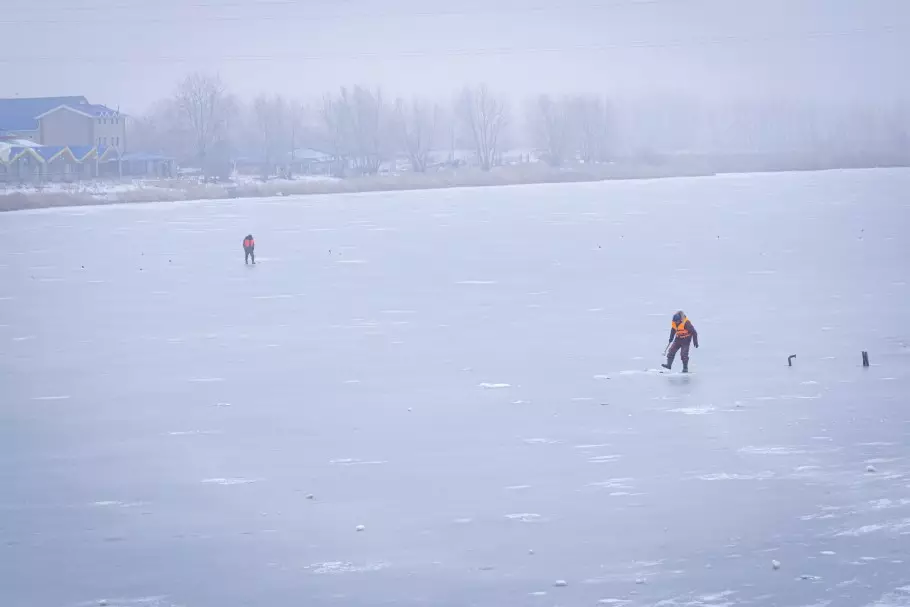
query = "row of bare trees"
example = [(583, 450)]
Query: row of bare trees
[(357, 126), (361, 129)]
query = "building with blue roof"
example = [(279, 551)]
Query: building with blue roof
[(68, 138), (63, 121), (19, 116)]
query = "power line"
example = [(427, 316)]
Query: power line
[(91, 8), (303, 57), (483, 10)]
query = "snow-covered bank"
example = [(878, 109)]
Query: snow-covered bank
[(97, 193)]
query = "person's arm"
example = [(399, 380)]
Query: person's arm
[(672, 334), (694, 333)]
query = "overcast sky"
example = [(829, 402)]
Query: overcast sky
[(127, 53)]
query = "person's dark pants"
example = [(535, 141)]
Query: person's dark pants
[(681, 346), (249, 253)]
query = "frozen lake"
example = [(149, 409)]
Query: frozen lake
[(469, 375)]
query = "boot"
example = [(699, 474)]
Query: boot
[(685, 367), (667, 366)]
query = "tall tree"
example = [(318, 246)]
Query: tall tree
[(336, 118), (592, 117), (416, 123), (296, 115), (271, 118), (553, 127), (484, 115), (206, 109)]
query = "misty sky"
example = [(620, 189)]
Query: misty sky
[(128, 53)]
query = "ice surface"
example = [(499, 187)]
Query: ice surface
[(206, 400)]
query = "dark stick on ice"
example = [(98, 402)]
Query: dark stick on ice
[(865, 358), (790, 360)]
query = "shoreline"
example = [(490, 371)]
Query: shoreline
[(176, 190)]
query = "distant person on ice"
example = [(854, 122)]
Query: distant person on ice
[(249, 249), (682, 333)]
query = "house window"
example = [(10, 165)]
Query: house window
[(118, 141), (104, 140)]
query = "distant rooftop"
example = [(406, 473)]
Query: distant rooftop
[(90, 109), (19, 114)]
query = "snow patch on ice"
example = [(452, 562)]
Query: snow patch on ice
[(476, 282), (356, 462), (603, 459), (895, 526), (206, 380), (230, 481), (701, 410), (338, 567), (60, 397), (613, 483), (194, 432), (899, 597), (735, 476), (524, 517), (490, 386), (541, 441), (772, 450)]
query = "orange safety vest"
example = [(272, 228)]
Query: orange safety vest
[(680, 328), (248, 243)]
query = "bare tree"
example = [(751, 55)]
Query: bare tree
[(336, 118), (357, 123), (593, 119), (160, 130), (272, 121), (296, 116), (554, 129), (371, 127), (416, 125), (205, 107), (485, 117)]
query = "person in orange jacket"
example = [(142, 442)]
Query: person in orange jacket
[(682, 333), (249, 249)]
